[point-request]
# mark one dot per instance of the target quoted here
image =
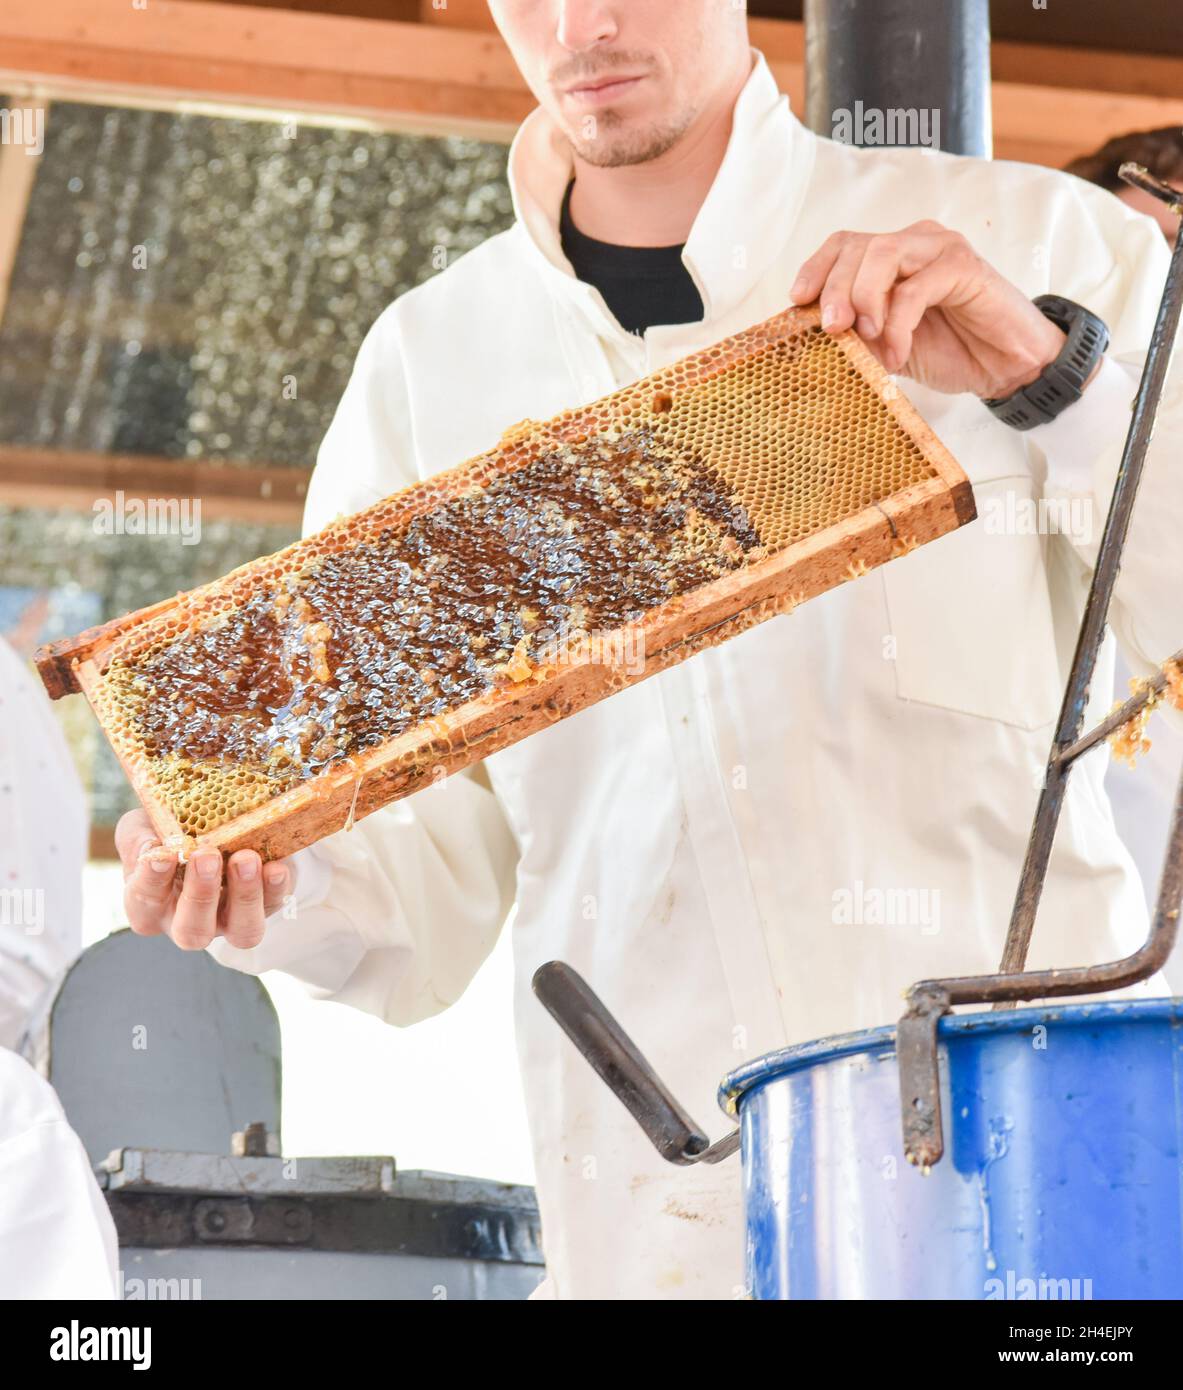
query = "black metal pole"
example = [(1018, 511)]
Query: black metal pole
[(1092, 628), (926, 61)]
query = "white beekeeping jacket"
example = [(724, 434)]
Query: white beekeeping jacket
[(718, 849), (57, 1239), (43, 830)]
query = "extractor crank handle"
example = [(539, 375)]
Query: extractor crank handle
[(616, 1060)]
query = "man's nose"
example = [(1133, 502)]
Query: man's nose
[(585, 23)]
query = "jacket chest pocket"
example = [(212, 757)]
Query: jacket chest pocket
[(971, 614)]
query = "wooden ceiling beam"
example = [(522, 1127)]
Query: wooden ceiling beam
[(285, 61)]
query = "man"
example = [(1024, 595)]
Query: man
[(43, 834), (57, 1239), (709, 847)]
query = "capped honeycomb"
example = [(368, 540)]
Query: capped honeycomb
[(453, 618)]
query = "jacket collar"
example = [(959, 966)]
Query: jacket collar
[(742, 225)]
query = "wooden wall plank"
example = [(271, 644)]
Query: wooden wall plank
[(75, 480), (195, 50)]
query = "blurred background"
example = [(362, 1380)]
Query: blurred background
[(208, 364)]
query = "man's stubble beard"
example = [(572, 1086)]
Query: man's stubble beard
[(629, 147)]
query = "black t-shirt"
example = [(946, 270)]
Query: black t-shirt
[(642, 285)]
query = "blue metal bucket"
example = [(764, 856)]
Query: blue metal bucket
[(1061, 1176)]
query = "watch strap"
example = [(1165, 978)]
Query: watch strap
[(1062, 382)]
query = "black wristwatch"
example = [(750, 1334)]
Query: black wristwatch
[(1062, 381)]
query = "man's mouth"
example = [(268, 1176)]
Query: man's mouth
[(598, 91)]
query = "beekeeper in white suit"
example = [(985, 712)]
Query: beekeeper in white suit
[(57, 1239), (708, 847)]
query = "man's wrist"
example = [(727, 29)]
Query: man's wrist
[(1061, 380), (1052, 345)]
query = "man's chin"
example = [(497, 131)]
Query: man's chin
[(617, 147)]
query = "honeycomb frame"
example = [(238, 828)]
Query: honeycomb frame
[(842, 394)]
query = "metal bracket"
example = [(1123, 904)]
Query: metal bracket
[(916, 1035)]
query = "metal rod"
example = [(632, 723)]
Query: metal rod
[(1092, 629), (1138, 177), (1113, 721)]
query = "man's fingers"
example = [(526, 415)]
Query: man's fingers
[(134, 836), (242, 907), (910, 301), (837, 310), (278, 880), (852, 273), (148, 890), (812, 275), (149, 873), (195, 922), (887, 260), (205, 905)]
